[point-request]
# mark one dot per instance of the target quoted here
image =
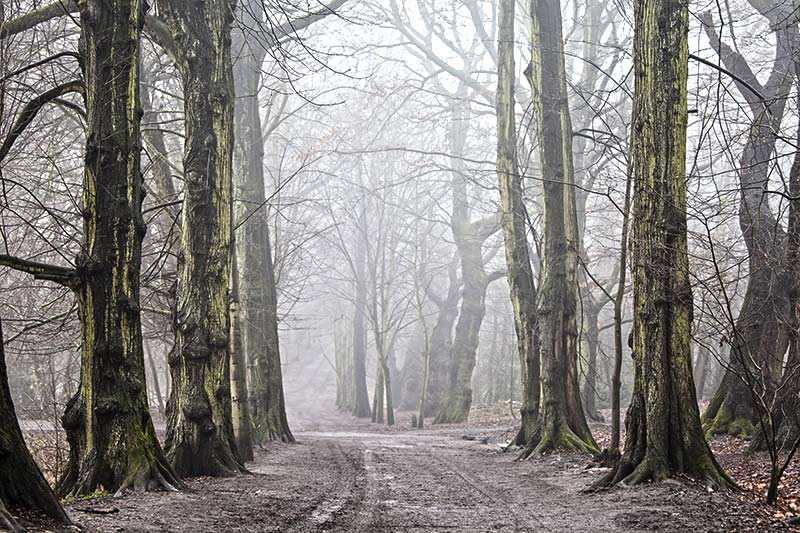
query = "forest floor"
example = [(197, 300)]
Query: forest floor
[(345, 474)]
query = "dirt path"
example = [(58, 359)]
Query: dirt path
[(409, 481)]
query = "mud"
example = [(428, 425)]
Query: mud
[(363, 478)]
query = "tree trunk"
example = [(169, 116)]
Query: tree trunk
[(561, 423), (154, 373), (613, 450), (378, 395), (457, 400), (112, 441), (701, 371), (361, 408), (469, 237), (512, 207), (758, 342), (441, 342), (664, 437), (259, 294), (786, 413), (21, 482), (411, 375), (200, 438), (589, 397), (240, 405)]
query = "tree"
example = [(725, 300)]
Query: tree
[(112, 440), (664, 437), (111, 435), (518, 261), (761, 341), (200, 438), (21, 481), (561, 422)]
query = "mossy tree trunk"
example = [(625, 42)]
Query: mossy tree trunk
[(21, 482), (457, 399), (469, 237), (513, 213), (759, 341), (782, 432), (113, 444), (259, 294), (664, 437), (200, 437), (561, 423), (441, 340)]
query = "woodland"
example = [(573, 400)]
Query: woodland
[(399, 265)]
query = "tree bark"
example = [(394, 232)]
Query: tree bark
[(589, 395), (240, 405), (701, 371), (469, 237), (513, 220), (361, 407), (664, 437), (21, 482), (457, 400), (112, 440), (441, 341), (561, 422), (200, 438), (759, 341), (259, 294)]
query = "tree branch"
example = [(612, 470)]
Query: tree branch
[(67, 277), (37, 16), (32, 108)]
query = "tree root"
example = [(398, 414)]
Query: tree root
[(627, 474), (564, 440), (156, 477), (608, 458)]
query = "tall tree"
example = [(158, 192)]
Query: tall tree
[(200, 437), (759, 330), (21, 481), (663, 437), (113, 443), (112, 440), (561, 422), (470, 237), (518, 261), (361, 406), (259, 295)]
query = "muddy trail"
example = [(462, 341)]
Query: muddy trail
[(346, 475)]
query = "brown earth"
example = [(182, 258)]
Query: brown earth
[(348, 475)]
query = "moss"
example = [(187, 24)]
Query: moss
[(725, 424), (564, 440)]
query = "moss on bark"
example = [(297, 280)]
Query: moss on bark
[(112, 440), (664, 437)]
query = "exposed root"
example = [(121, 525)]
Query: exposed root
[(563, 440), (723, 424), (627, 474), (157, 477)]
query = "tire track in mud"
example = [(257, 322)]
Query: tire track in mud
[(344, 499), (520, 523), (415, 484)]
